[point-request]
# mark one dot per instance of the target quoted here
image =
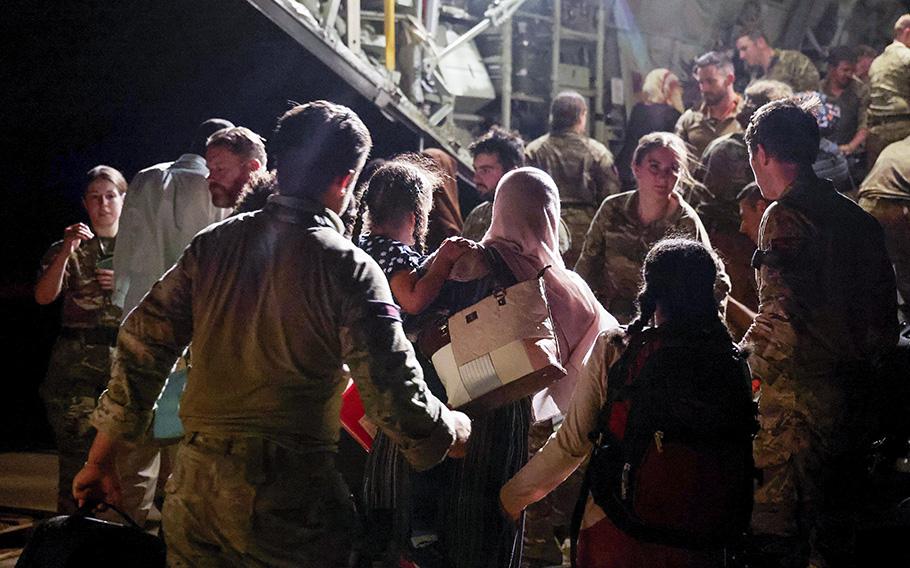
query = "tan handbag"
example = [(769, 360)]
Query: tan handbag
[(498, 350)]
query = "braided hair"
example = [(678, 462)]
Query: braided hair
[(678, 274), (399, 187)]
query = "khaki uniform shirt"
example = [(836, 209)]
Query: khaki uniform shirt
[(617, 244), (581, 167), (826, 294), (792, 68), (276, 303), (889, 83), (697, 129), (890, 176)]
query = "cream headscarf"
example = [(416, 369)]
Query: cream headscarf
[(524, 232)]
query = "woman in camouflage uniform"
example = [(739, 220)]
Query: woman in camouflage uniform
[(628, 224), (79, 269)]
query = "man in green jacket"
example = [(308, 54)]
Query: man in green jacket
[(281, 310)]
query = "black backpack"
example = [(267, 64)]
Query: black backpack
[(672, 459)]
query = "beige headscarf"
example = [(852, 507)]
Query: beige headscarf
[(524, 232)]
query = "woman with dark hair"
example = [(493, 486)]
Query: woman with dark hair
[(395, 208), (628, 224), (80, 269), (677, 295)]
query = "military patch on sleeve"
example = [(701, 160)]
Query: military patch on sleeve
[(779, 253), (383, 310)]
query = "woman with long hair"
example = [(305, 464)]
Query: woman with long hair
[(677, 298), (628, 224)]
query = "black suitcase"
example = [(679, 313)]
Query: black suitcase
[(74, 541)]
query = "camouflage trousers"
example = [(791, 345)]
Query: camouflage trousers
[(547, 522), (244, 501), (883, 134), (577, 218), (894, 217), (77, 374), (805, 505)]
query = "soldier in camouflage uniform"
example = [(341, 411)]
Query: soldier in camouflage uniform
[(717, 114), (888, 116), (786, 66), (885, 194), (281, 310), (78, 267), (581, 167), (628, 224), (827, 311)]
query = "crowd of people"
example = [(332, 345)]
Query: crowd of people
[(730, 227)]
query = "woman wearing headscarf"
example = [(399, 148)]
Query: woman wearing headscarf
[(523, 237), (445, 217), (660, 107), (677, 293)]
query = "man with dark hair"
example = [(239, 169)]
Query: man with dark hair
[(752, 207), (849, 95), (495, 153), (234, 157), (889, 93), (784, 65), (717, 114), (581, 167), (166, 205), (885, 194), (827, 313), (282, 310)]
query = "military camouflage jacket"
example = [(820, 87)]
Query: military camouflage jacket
[(826, 288), (478, 221), (889, 82), (697, 129), (726, 173), (85, 304), (481, 217), (276, 303), (792, 68), (581, 167), (617, 243)]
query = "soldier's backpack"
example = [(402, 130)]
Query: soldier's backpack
[(672, 458)]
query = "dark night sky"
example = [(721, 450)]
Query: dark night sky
[(125, 84)]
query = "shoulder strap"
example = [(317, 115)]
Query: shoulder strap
[(502, 276)]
